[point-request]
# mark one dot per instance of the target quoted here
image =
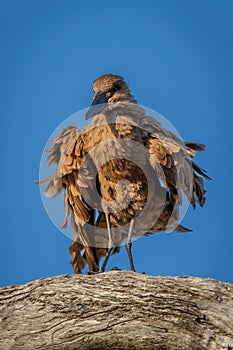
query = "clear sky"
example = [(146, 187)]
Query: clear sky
[(177, 57)]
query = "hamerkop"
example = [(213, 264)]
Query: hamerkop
[(123, 175)]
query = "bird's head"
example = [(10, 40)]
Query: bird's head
[(108, 88)]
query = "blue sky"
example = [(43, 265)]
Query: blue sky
[(177, 59)]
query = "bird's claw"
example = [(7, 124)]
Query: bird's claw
[(115, 268), (93, 272)]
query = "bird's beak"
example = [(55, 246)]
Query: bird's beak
[(98, 104)]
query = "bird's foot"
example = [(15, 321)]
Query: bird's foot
[(115, 268), (93, 272)]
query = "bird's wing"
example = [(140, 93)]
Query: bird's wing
[(171, 158), (66, 153)]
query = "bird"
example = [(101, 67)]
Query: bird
[(123, 175)]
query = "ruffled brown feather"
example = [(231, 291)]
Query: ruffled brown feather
[(94, 157)]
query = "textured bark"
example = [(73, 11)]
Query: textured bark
[(117, 310)]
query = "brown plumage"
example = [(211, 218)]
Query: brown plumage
[(132, 161)]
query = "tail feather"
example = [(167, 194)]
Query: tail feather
[(90, 251), (84, 238), (195, 146), (77, 261), (200, 171), (181, 228)]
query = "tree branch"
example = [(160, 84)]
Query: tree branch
[(117, 310)]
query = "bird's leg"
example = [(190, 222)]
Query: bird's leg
[(128, 245), (110, 243)]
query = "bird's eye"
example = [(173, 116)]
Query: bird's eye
[(115, 87)]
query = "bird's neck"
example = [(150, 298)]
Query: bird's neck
[(123, 95)]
